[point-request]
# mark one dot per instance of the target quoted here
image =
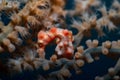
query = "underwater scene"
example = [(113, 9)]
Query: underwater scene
[(59, 39)]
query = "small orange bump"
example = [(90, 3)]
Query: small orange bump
[(66, 32), (53, 29), (41, 35)]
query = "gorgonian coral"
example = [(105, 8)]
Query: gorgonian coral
[(35, 25)]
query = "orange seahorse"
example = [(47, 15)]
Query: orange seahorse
[(64, 39)]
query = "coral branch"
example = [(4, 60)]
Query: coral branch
[(32, 62)]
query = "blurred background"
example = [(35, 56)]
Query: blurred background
[(89, 71)]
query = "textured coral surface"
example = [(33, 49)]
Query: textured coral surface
[(59, 40)]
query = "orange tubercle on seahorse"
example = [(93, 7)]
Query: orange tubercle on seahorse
[(53, 30)]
